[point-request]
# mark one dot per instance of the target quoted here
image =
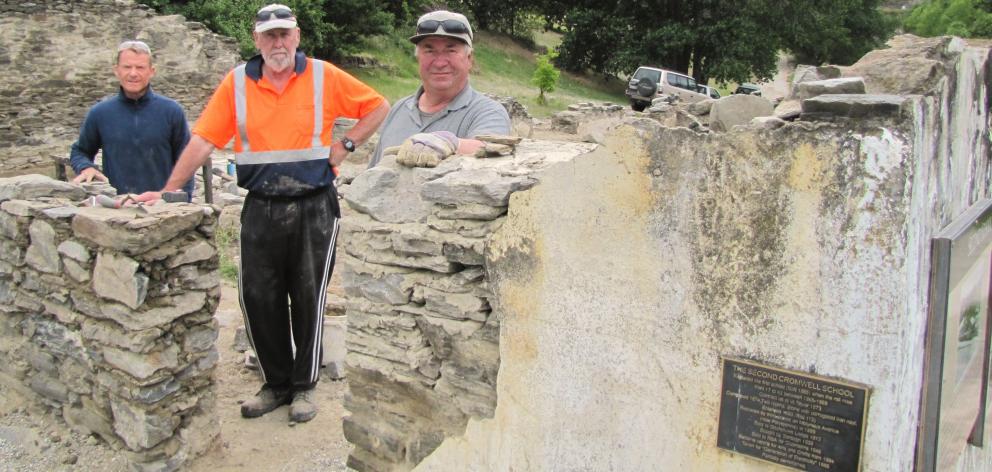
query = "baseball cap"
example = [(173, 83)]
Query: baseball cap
[(274, 16), (443, 23)]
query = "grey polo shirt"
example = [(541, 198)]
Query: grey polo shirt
[(468, 115)]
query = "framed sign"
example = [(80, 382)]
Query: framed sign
[(956, 368)]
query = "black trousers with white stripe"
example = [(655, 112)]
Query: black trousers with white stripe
[(287, 255)]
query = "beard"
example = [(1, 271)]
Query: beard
[(278, 59)]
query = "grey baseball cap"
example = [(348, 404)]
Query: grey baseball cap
[(274, 16), (443, 23)]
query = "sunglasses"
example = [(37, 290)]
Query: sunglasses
[(450, 26), (280, 13)]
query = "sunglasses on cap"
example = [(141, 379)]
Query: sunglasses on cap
[(280, 13), (450, 26)]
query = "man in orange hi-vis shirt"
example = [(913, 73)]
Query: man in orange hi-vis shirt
[(280, 108)]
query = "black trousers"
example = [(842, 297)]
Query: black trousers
[(287, 255)]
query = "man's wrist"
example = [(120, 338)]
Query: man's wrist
[(348, 144)]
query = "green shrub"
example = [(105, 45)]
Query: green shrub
[(545, 75)]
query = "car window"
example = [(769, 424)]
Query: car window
[(673, 80), (654, 75), (691, 83)]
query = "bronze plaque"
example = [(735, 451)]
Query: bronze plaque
[(789, 418)]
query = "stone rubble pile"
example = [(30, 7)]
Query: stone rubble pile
[(106, 317), (521, 122), (423, 337), (568, 121), (871, 87)]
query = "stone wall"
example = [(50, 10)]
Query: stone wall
[(423, 342), (57, 58), (620, 277), (106, 317)]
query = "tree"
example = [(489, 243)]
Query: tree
[(727, 40), (545, 75), (506, 16), (965, 18), (330, 28), (722, 39), (836, 32)]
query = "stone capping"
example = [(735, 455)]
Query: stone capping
[(106, 317)]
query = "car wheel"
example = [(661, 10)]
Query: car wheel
[(638, 106), (646, 87)]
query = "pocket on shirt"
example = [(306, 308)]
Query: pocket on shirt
[(303, 116)]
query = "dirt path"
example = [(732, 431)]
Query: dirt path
[(33, 440)]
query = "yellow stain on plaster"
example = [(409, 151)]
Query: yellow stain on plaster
[(517, 340), (634, 190), (806, 173), (808, 177)]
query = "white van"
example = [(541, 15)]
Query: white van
[(647, 83)]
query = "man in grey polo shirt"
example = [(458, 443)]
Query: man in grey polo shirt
[(445, 113)]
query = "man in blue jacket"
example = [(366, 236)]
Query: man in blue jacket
[(141, 133)]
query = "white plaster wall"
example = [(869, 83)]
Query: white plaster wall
[(624, 276)]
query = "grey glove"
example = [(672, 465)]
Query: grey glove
[(427, 149)]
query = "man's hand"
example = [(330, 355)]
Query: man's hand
[(88, 174), (338, 154), (148, 198), (427, 149)]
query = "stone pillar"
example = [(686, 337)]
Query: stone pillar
[(619, 278), (106, 317), (423, 340), (623, 278)]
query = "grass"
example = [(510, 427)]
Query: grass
[(227, 245), (502, 67)]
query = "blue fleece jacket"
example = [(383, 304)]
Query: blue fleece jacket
[(141, 141)]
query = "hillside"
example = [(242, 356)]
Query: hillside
[(502, 67)]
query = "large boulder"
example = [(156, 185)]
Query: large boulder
[(910, 65), (736, 110), (805, 73)]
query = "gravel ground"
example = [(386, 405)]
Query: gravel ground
[(33, 440)]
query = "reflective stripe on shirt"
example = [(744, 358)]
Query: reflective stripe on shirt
[(249, 157)]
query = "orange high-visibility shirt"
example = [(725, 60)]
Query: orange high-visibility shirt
[(282, 121)]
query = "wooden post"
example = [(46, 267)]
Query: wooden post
[(208, 187)]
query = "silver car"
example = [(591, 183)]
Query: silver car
[(648, 83)]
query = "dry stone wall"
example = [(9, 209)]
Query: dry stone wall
[(106, 317), (423, 341), (57, 57)]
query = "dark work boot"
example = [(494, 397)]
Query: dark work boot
[(304, 408), (266, 400)]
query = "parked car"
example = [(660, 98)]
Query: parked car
[(709, 91), (748, 89), (648, 83)]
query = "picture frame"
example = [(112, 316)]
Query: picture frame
[(956, 362)]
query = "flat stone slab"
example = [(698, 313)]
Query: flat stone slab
[(854, 105), (844, 86), (31, 186), (136, 230)]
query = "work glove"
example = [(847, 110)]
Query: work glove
[(427, 149)]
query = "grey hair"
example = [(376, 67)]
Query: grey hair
[(139, 47), (468, 49)]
